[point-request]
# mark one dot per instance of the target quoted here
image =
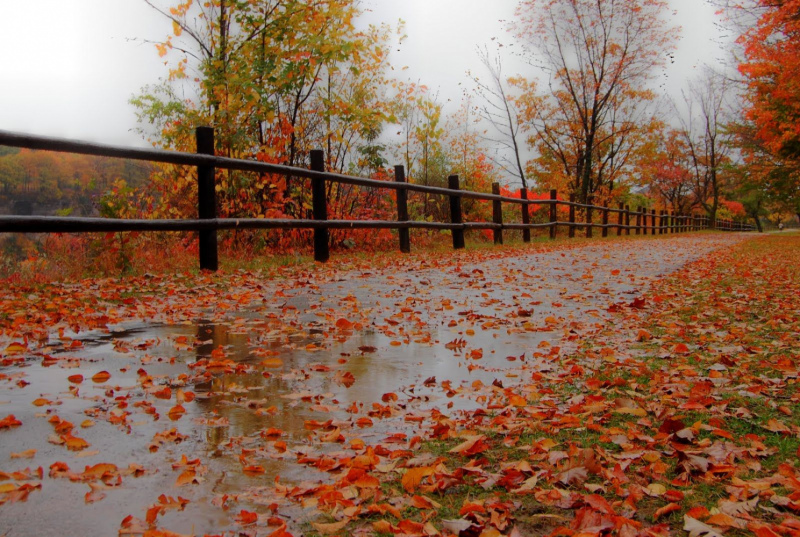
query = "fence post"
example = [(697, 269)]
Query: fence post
[(589, 202), (604, 233), (497, 214), (455, 213), (206, 200), (402, 209), (319, 206), (526, 216), (627, 220), (670, 222), (661, 221), (620, 216), (639, 220), (571, 233), (653, 222), (553, 215)]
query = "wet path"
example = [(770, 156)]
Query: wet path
[(295, 370)]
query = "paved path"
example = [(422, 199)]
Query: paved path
[(347, 346)]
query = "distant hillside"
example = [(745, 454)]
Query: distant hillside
[(44, 182)]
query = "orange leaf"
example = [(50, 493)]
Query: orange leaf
[(27, 454), (176, 412), (75, 379), (246, 517), (330, 529), (254, 469), (74, 443), (102, 376), (163, 393), (9, 421), (472, 446), (186, 477), (669, 508), (680, 348), (344, 324), (414, 476)]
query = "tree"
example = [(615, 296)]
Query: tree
[(600, 56), (769, 132), (709, 144), (275, 79), (499, 108), (669, 170)]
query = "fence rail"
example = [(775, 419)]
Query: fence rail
[(207, 223)]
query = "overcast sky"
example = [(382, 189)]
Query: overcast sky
[(69, 67)]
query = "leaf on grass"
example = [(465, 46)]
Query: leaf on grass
[(669, 508), (472, 446), (414, 476), (698, 529), (330, 529), (777, 426), (573, 476)]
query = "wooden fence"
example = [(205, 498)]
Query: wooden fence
[(640, 220)]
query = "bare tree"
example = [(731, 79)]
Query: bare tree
[(707, 104), (498, 108), (600, 56)]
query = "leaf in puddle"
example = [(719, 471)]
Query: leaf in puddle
[(271, 362), (344, 378), (176, 412), (344, 324), (101, 377), (75, 379)]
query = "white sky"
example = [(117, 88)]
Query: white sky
[(69, 67)]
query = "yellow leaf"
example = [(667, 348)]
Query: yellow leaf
[(27, 454), (632, 411)]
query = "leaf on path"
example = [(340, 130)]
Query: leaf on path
[(9, 421)]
